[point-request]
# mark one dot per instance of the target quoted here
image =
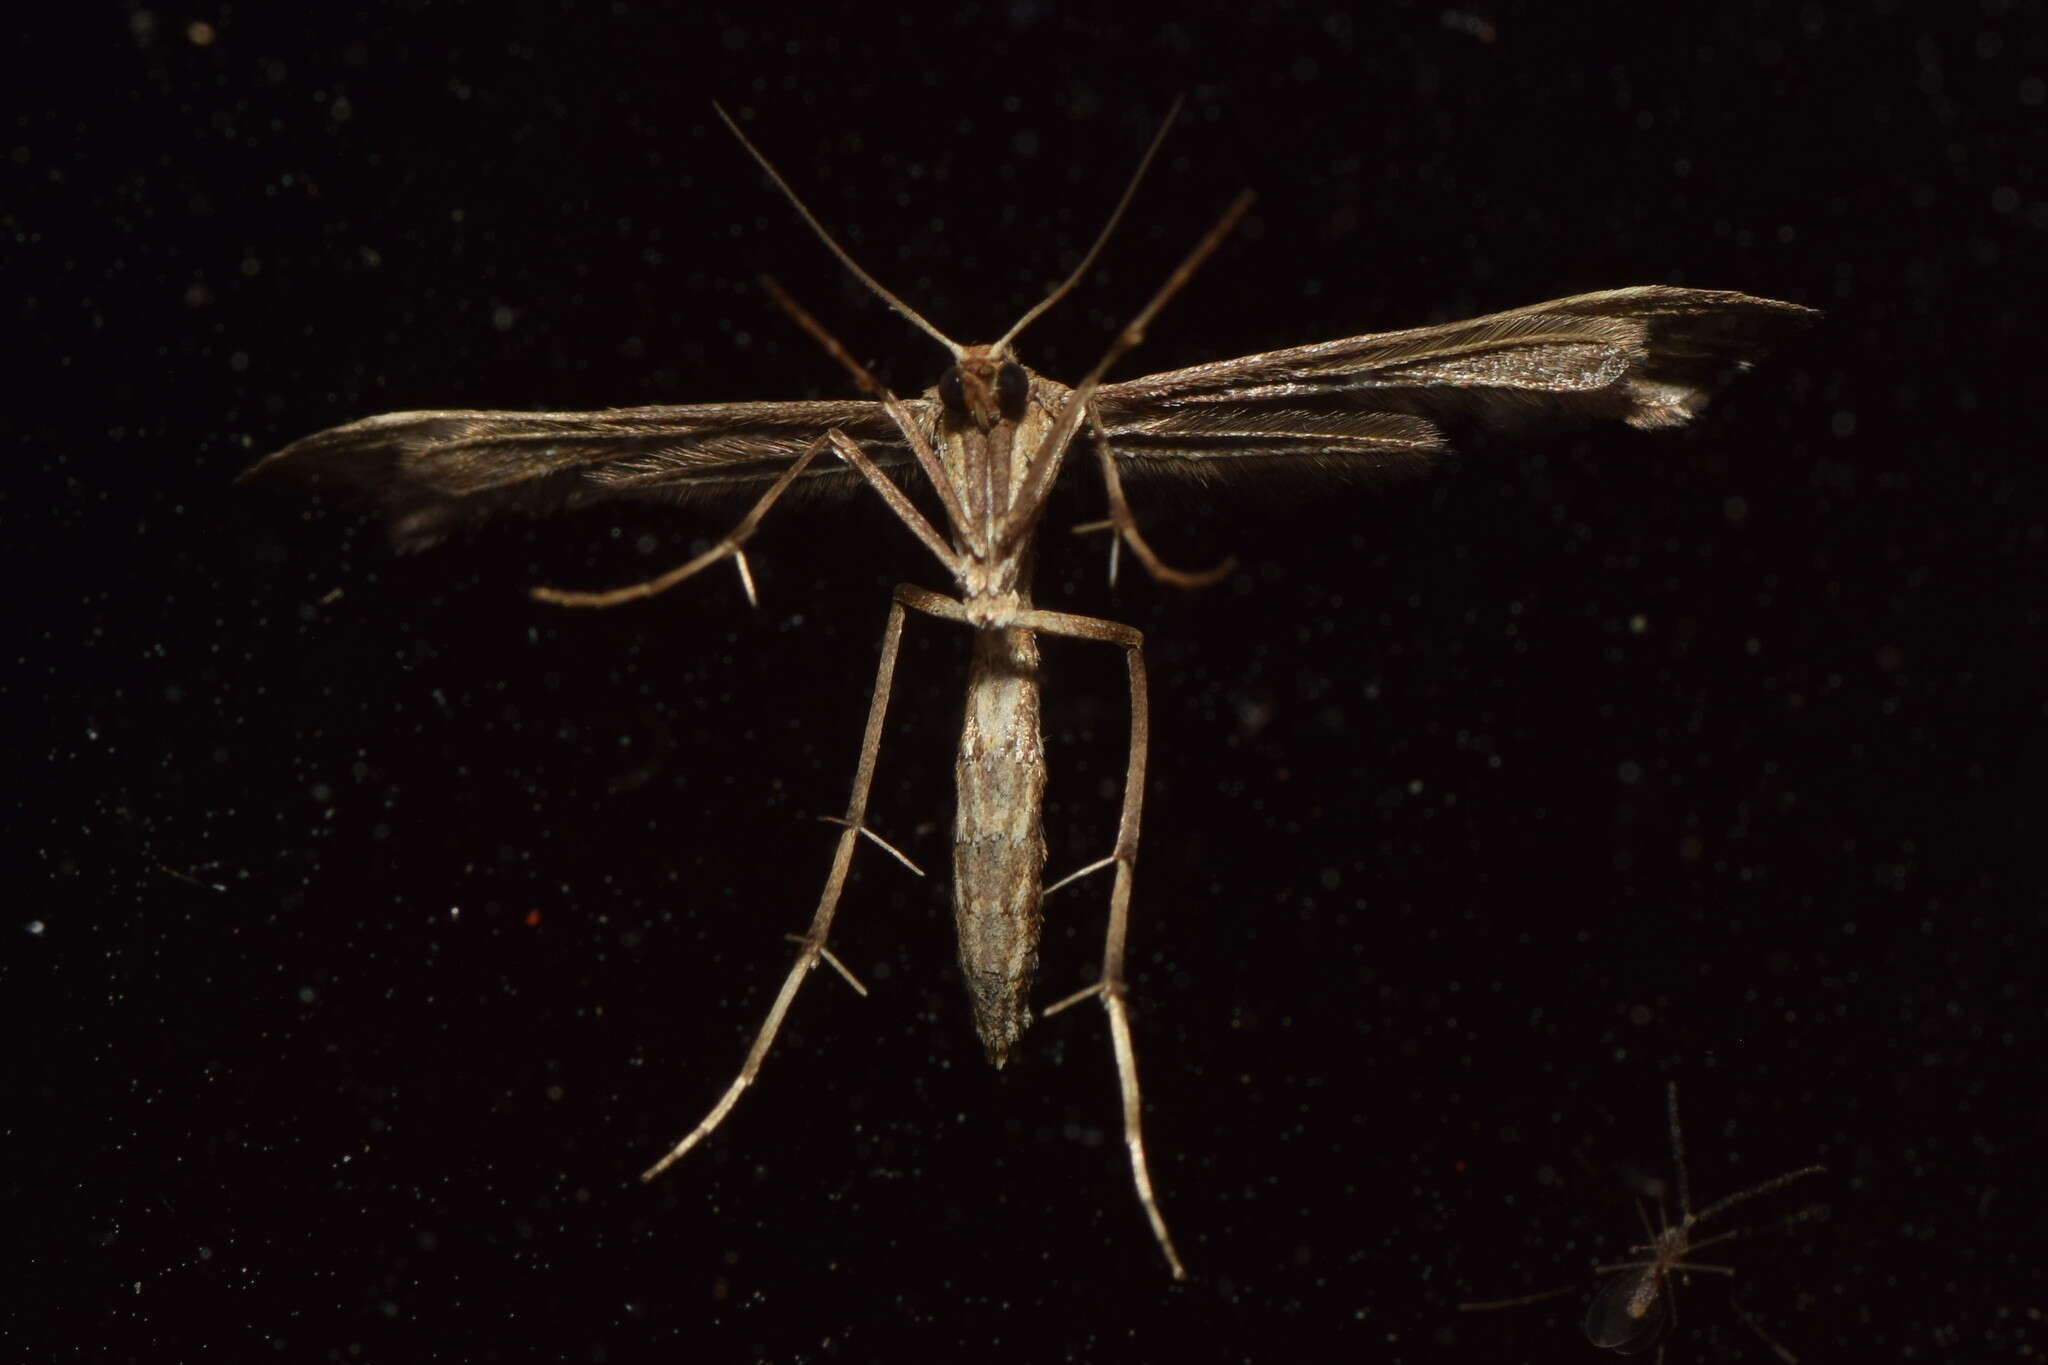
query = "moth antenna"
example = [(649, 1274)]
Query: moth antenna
[(911, 314), (1102, 238)]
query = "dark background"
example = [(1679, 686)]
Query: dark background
[(372, 926)]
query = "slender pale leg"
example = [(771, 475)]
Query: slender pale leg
[(812, 942), (1110, 987)]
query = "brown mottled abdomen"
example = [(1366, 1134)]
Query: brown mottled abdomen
[(998, 840)]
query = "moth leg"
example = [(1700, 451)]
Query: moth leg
[(1110, 987), (732, 546), (812, 949), (1125, 525)]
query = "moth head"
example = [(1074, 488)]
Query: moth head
[(984, 387)]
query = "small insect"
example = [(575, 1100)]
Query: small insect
[(989, 439), (1637, 1308)]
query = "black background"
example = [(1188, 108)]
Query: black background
[(374, 925)]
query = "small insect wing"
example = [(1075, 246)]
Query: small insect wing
[(1630, 1315)]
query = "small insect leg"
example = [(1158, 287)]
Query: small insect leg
[(1678, 1154), (1777, 1347), (1488, 1305)]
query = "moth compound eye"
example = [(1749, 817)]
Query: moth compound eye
[(1012, 388), (952, 392)]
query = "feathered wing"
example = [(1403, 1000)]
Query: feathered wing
[(1650, 356), (1363, 406), (433, 471), (1214, 442)]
